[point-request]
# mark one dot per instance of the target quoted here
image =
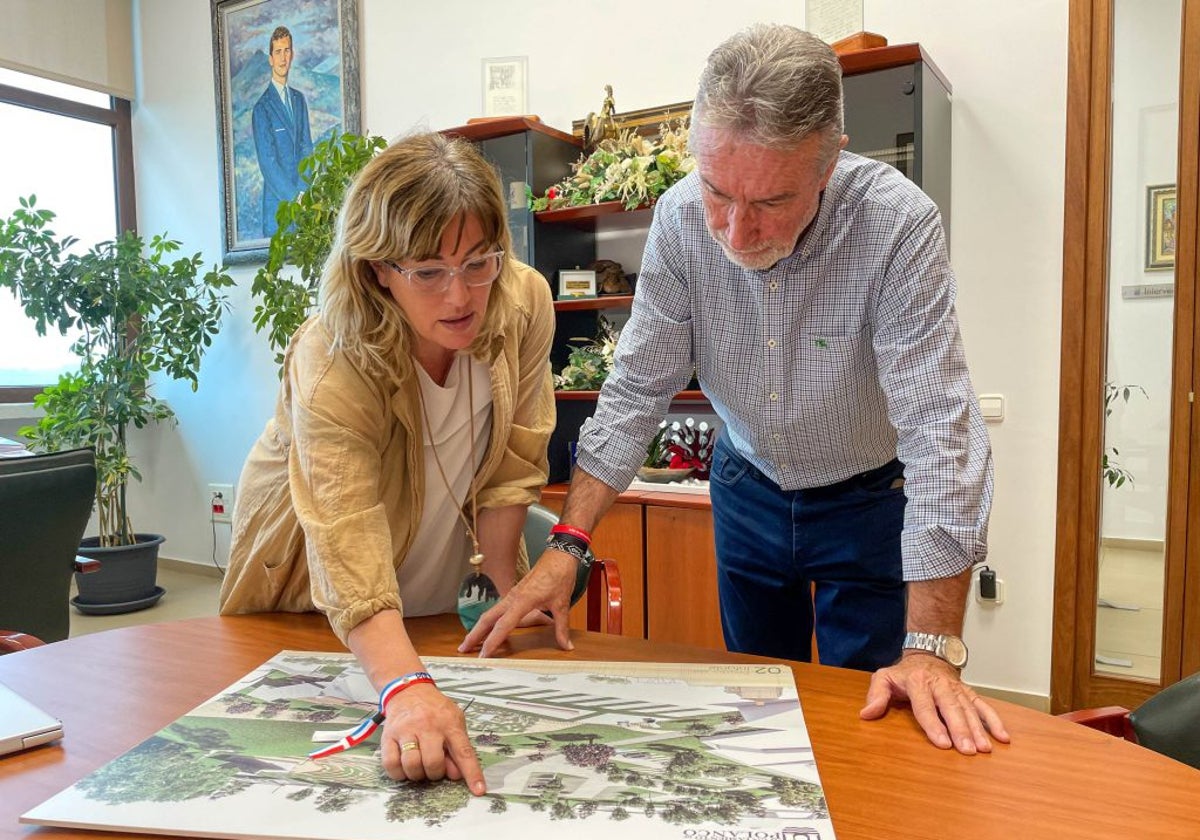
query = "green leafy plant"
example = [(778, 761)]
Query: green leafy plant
[(657, 450), (305, 236), (138, 312), (1110, 469), (632, 169), (590, 361)]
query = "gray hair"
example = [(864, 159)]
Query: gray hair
[(774, 85)]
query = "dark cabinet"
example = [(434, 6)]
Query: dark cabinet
[(533, 156), (897, 106)]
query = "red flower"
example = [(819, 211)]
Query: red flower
[(552, 193)]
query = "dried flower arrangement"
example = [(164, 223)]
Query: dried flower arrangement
[(632, 169), (590, 362)]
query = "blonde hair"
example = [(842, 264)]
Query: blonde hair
[(775, 85), (398, 208)]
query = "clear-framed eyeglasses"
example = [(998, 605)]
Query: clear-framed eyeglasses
[(435, 279)]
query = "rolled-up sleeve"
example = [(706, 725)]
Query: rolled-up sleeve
[(524, 465), (653, 361), (931, 403), (338, 434)]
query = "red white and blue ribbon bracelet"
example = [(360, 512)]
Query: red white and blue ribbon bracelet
[(353, 737)]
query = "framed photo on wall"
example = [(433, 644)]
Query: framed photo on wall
[(1160, 226), (286, 74)]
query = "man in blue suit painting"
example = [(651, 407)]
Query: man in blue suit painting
[(282, 137)]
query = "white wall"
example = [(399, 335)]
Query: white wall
[(421, 66)]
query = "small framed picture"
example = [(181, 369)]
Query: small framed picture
[(576, 283), (505, 86), (1160, 226)]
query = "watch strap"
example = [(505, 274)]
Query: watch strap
[(937, 644)]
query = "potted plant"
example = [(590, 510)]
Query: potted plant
[(677, 451), (1111, 470), (305, 236), (136, 313)]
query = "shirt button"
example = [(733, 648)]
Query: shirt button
[(774, 285), (774, 396), (777, 436), (770, 342), (784, 467)]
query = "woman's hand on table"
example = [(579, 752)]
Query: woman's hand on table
[(425, 738)]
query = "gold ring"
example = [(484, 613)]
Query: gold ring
[(409, 745)]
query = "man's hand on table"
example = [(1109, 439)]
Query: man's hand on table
[(547, 587), (951, 714)]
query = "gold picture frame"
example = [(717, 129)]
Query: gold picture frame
[(261, 145), (1160, 227)]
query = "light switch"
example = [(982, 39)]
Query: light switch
[(992, 406)]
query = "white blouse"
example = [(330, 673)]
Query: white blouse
[(438, 560)]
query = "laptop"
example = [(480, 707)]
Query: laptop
[(24, 725)]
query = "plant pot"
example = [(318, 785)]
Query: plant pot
[(126, 580), (662, 475)]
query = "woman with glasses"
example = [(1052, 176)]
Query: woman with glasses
[(409, 435)]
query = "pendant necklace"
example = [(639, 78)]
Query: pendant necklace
[(477, 592)]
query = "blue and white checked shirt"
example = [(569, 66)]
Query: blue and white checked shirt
[(841, 357)]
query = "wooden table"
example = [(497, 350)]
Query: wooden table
[(882, 779)]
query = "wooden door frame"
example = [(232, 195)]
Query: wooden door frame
[(1073, 682), (1183, 570)]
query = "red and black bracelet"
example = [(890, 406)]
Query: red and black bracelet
[(571, 531)]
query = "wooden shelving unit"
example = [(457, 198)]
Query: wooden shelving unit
[(599, 302), (682, 396), (585, 215)]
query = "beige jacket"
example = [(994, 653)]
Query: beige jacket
[(330, 497)]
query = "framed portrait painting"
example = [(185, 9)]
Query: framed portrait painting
[(286, 73), (1160, 226)]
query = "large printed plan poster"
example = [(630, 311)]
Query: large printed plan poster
[(578, 749)]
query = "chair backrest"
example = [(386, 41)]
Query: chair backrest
[(45, 503), (538, 522), (604, 585), (1169, 722)]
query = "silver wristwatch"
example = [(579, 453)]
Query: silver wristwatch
[(948, 648)]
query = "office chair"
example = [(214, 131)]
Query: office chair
[(45, 503), (1168, 723), (604, 585)]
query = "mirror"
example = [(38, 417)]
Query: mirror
[(1134, 468)]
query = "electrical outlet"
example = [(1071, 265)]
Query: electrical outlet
[(220, 502), (994, 602)]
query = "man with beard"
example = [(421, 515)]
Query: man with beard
[(810, 291)]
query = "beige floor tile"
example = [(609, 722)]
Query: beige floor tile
[(1131, 577), (1145, 667), (1129, 632), (189, 594)]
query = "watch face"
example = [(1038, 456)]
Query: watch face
[(954, 651)]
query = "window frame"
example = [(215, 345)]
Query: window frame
[(118, 118)]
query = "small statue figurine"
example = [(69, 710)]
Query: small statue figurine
[(610, 279), (598, 127)]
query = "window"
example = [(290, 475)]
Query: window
[(71, 148)]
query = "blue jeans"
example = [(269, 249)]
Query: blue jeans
[(774, 547)]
